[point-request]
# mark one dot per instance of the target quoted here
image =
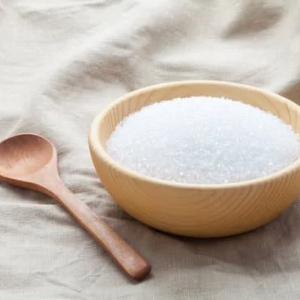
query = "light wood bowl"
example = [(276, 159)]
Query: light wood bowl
[(196, 210)]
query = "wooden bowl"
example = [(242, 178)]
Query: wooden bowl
[(189, 209)]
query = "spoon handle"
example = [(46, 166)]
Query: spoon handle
[(132, 263)]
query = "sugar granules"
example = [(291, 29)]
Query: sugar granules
[(203, 140)]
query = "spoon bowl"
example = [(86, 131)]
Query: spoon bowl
[(24, 154)]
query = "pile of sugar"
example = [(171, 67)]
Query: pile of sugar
[(203, 140)]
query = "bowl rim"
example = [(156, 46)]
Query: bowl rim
[(100, 151)]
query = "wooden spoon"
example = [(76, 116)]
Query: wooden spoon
[(30, 161)]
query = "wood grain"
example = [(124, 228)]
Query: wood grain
[(196, 210)]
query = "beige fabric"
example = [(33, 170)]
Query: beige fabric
[(63, 61)]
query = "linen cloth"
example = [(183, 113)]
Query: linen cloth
[(61, 63)]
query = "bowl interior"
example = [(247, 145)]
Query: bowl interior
[(288, 111)]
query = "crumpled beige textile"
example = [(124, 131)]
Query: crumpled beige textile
[(62, 62)]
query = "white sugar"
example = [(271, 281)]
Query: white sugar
[(203, 140)]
